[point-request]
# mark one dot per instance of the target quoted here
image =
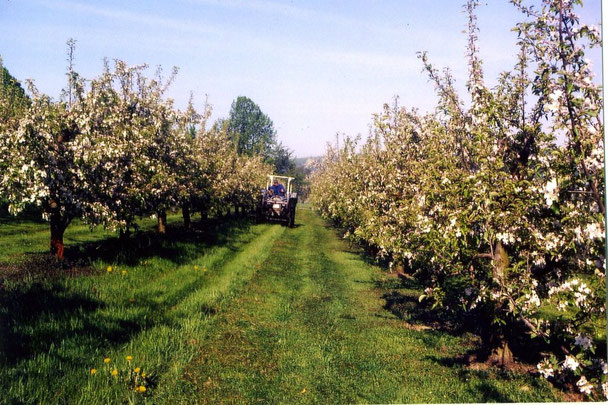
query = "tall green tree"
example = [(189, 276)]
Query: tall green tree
[(282, 159), (13, 104), (250, 129), (12, 96)]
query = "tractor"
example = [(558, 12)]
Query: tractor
[(280, 206)]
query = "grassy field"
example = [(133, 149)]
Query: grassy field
[(233, 313)]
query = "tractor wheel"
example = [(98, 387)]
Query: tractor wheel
[(292, 218), (287, 218)]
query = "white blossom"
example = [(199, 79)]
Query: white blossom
[(545, 369), (554, 99), (584, 341), (594, 231), (570, 363), (550, 192), (584, 386)]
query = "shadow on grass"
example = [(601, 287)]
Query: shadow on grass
[(147, 244), (487, 389), (29, 307), (179, 245), (488, 377), (408, 308), (38, 313), (37, 317)]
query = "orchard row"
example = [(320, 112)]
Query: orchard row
[(496, 205), (115, 148)]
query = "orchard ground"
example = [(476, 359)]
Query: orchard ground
[(231, 312)]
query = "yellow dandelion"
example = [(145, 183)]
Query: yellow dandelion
[(204, 269), (141, 388), (106, 360), (109, 269), (195, 267), (143, 375), (124, 272), (137, 369), (114, 372), (93, 370), (129, 358)]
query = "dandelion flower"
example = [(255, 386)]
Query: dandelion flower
[(143, 375), (195, 267), (106, 360), (93, 370), (109, 269), (141, 388), (129, 358), (137, 369), (114, 372), (124, 272)]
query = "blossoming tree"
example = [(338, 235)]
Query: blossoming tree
[(496, 206), (115, 148)]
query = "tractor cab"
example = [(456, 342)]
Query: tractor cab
[(278, 200)]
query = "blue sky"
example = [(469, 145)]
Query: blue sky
[(315, 67)]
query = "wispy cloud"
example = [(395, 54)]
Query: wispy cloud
[(151, 20), (264, 6), (301, 13), (249, 41)]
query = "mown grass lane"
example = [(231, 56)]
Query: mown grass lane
[(310, 327), (233, 313)]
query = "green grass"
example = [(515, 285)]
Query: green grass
[(269, 314), (55, 331), (313, 329)]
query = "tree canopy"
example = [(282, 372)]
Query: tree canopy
[(483, 204), (12, 94), (250, 129)]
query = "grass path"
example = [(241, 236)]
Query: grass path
[(52, 333), (237, 313), (310, 327)]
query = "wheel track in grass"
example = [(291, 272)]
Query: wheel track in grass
[(158, 293), (310, 327), (185, 314), (166, 299), (157, 286), (280, 316)]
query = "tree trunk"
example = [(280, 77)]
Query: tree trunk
[(124, 234), (494, 335), (399, 267), (58, 225), (186, 215), (501, 263), (162, 222), (501, 355)]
